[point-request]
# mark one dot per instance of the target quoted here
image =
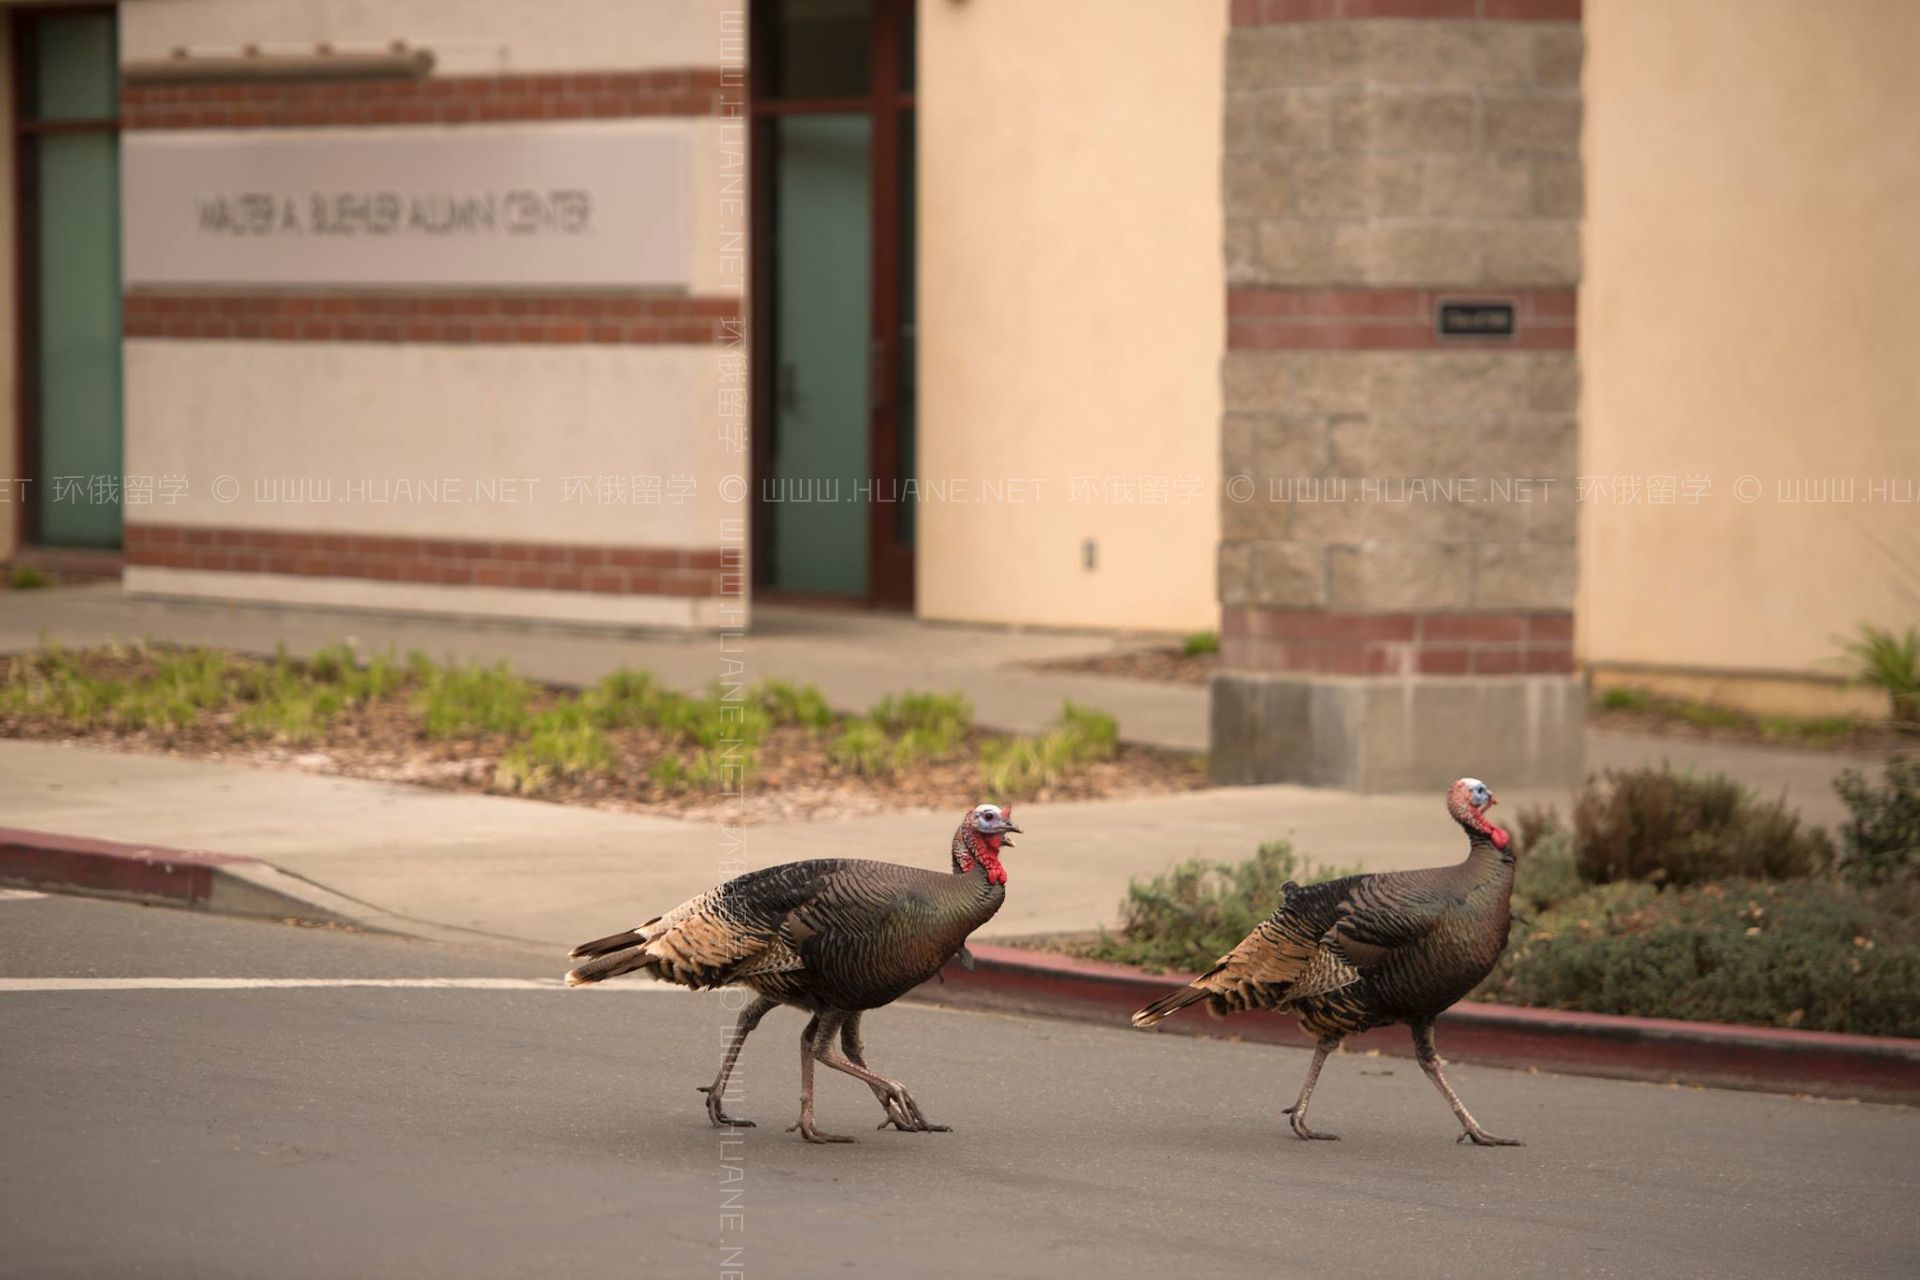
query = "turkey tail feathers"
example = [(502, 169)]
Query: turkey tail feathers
[(610, 966), (1171, 1003), (611, 943)]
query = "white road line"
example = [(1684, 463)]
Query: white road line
[(19, 895), (25, 985)]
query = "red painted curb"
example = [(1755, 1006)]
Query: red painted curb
[(148, 873), (1829, 1064)]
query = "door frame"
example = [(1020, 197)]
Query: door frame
[(890, 563), (26, 274)]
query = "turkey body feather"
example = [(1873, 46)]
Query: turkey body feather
[(834, 936), (1360, 952)]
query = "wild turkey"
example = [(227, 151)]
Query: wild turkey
[(834, 936), (1367, 951)]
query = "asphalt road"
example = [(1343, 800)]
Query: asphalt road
[(282, 1131)]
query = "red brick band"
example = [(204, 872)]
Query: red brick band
[(1363, 644), (539, 566), (300, 104), (1391, 319), (328, 316), (1255, 13)]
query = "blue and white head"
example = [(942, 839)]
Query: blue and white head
[(1468, 800), (987, 829)]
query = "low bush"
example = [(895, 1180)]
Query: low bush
[(1880, 843), (1810, 953), (1678, 828), (24, 577), (1187, 918)]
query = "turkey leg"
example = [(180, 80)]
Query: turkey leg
[(1429, 1056), (716, 1092), (902, 1112), (813, 1042), (1297, 1113)]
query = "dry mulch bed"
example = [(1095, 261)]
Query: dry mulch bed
[(1864, 737), (792, 777), (1164, 666)]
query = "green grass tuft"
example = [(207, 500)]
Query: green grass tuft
[(1200, 642)]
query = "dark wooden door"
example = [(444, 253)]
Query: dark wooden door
[(833, 298)]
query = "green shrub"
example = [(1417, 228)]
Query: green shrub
[(789, 703), (25, 577), (1892, 663), (667, 773), (1192, 915), (1655, 824), (862, 748), (1625, 700), (1016, 768), (459, 701), (295, 715), (1809, 953), (1880, 843), (1200, 642), (625, 698), (939, 721)]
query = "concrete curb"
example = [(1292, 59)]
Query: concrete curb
[(1821, 1063), (217, 882)]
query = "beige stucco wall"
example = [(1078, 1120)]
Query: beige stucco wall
[(427, 440), (1751, 309), (466, 36), (1072, 299)]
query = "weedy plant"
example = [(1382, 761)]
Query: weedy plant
[(460, 700), (1199, 643), (1016, 768), (1890, 662)]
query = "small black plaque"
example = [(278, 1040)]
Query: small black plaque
[(1468, 319)]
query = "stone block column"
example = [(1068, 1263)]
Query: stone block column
[(1397, 552)]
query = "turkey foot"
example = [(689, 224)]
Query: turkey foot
[(1299, 1124), (904, 1114), (804, 1125), (1430, 1062), (1297, 1113), (1481, 1138), (716, 1111), (813, 1040)]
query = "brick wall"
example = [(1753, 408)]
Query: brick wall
[(1376, 165), (694, 91), (292, 315), (662, 571)]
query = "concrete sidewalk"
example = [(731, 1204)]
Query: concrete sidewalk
[(549, 875)]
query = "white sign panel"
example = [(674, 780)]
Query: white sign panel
[(559, 206)]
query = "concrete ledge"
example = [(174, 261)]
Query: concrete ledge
[(218, 882), (1400, 733), (1826, 1064)]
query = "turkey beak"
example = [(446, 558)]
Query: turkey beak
[(1007, 831), (1492, 799)]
